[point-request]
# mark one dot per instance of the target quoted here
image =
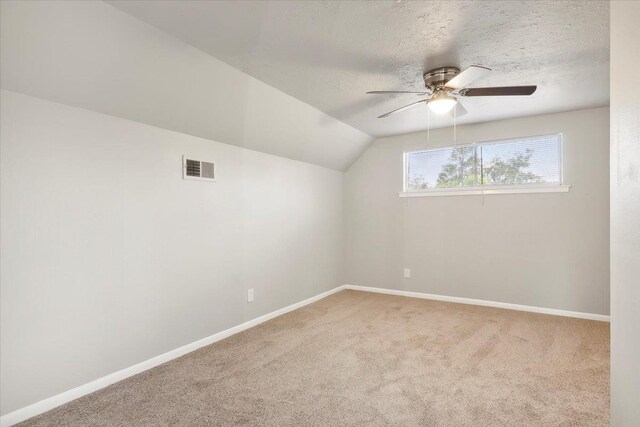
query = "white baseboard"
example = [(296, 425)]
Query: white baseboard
[(460, 300), (60, 399), (75, 393)]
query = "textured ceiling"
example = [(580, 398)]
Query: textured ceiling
[(328, 54)]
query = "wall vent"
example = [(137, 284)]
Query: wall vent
[(197, 169)]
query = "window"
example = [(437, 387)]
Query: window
[(531, 164), (441, 168)]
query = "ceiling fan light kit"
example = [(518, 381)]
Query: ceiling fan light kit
[(445, 84), (441, 103)]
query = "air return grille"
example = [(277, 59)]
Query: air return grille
[(197, 169), (193, 168)]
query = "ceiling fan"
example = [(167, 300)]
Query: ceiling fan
[(444, 84)]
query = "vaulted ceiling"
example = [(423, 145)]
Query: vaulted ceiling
[(328, 54)]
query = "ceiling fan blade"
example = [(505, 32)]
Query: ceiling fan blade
[(386, 92), (397, 110), (498, 91), (459, 110), (470, 74)]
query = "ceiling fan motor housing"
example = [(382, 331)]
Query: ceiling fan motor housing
[(438, 77)]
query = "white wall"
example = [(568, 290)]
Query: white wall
[(89, 54), (109, 257), (625, 214), (545, 250)]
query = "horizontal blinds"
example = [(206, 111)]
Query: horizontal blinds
[(522, 161), (441, 168)]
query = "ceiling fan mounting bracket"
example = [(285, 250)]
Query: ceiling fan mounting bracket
[(438, 77)]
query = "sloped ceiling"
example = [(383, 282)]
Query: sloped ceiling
[(90, 55), (329, 53)]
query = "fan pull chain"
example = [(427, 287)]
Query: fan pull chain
[(455, 141), (428, 128), (481, 176)]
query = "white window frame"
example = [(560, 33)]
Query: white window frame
[(477, 189)]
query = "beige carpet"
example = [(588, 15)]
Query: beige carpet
[(358, 358)]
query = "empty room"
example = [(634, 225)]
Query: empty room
[(327, 213)]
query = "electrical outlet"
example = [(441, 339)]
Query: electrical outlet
[(407, 273), (250, 295)]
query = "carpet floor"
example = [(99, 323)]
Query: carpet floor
[(358, 358)]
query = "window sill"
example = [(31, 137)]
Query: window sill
[(486, 191)]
